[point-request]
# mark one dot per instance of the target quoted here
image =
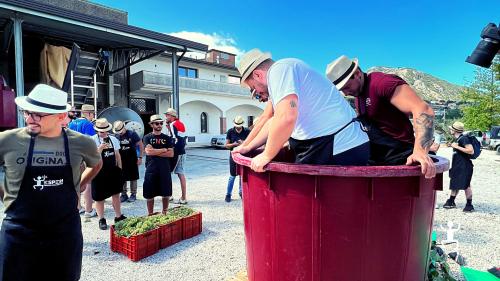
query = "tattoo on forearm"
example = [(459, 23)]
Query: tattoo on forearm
[(424, 128), (293, 104)]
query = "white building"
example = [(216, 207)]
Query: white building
[(210, 95)]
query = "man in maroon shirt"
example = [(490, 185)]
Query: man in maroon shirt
[(385, 102)]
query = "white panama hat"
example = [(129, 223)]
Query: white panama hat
[(45, 99)]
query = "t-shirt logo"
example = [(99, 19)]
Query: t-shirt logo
[(368, 102), (41, 182)]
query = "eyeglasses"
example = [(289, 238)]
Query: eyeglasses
[(34, 115), (254, 94), (158, 123)]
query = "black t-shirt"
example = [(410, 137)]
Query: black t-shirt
[(233, 136), (157, 142), (130, 138)]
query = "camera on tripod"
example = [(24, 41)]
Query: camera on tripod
[(487, 48)]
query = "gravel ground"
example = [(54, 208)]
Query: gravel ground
[(218, 253)]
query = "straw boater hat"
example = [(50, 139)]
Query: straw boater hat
[(102, 125), (155, 118), (250, 61), (87, 108), (340, 70), (238, 121), (44, 99), (457, 127), (171, 112), (118, 126)]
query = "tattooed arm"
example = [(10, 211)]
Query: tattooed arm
[(280, 129), (406, 100)]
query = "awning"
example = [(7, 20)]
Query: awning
[(77, 27)]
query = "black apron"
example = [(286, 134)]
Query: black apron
[(130, 170), (108, 181), (316, 150), (41, 235), (461, 169), (157, 179)]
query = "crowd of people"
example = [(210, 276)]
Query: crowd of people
[(55, 159)]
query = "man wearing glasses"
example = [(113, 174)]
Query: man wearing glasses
[(305, 109), (157, 179), (41, 235)]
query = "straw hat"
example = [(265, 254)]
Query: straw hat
[(102, 125), (457, 127), (238, 121), (155, 118), (118, 126), (340, 70), (250, 61), (171, 112), (87, 108), (45, 99)]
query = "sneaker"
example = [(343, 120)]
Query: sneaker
[(120, 218), (180, 201), (449, 204), (468, 208), (102, 224), (123, 197), (82, 210), (90, 214), (132, 198), (228, 198)]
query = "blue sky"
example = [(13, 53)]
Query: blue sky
[(431, 36)]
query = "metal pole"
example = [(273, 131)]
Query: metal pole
[(72, 91), (175, 82), (18, 48), (95, 96)]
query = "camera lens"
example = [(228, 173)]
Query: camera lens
[(484, 53)]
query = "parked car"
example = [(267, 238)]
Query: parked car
[(477, 134), (495, 138), (218, 141)]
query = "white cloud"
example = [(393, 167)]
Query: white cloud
[(214, 41)]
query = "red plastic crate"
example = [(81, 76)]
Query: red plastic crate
[(191, 226), (136, 247), (170, 233)]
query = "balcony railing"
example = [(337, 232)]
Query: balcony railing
[(160, 82)]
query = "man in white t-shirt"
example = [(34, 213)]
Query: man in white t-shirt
[(305, 109)]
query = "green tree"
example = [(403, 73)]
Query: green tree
[(481, 108)]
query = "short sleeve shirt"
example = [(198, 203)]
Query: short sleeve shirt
[(83, 126), (322, 110), (375, 103), (157, 142), (14, 146), (130, 137), (114, 141), (233, 136)]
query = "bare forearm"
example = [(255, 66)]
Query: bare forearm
[(90, 173), (261, 137), (280, 130), (424, 130)]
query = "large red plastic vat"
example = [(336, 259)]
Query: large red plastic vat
[(334, 223)]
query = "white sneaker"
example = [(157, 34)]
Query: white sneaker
[(91, 214), (180, 201), (82, 210)]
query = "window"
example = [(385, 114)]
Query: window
[(250, 121), (188, 72), (204, 122), (224, 56)]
